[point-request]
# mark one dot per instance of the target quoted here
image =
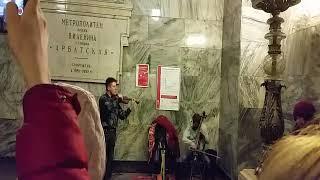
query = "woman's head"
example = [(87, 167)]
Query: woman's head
[(294, 157), (303, 112)]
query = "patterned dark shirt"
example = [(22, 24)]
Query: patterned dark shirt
[(111, 111)]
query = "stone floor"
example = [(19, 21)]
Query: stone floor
[(8, 172)]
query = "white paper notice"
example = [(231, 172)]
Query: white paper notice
[(168, 88)]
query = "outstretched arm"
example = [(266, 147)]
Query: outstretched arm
[(49, 145)]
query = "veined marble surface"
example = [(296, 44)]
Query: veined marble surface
[(302, 51), (252, 58), (200, 68), (11, 84), (211, 31), (162, 41), (176, 32), (166, 31), (302, 16), (8, 129), (229, 94), (191, 9), (138, 28)]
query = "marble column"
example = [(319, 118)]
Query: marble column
[(229, 100)]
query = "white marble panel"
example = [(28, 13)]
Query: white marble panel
[(144, 7), (193, 9), (138, 28), (303, 15), (190, 9), (203, 34), (166, 31), (254, 30), (302, 52)]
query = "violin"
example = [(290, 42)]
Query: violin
[(125, 99)]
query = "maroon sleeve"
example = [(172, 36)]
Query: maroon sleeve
[(50, 145)]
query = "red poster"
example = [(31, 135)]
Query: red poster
[(142, 75)]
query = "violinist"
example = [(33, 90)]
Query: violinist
[(110, 113), (196, 137)]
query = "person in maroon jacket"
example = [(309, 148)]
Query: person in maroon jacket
[(49, 145)]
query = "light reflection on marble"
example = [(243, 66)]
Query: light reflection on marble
[(144, 7), (304, 15), (302, 52), (166, 32), (204, 9), (253, 29), (191, 9), (211, 30)]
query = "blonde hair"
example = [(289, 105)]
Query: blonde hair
[(294, 157)]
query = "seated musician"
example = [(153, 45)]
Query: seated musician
[(196, 142)]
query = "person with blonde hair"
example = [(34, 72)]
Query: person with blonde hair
[(294, 157)]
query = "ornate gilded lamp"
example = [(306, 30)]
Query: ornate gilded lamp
[(271, 120)]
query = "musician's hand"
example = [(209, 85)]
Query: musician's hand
[(125, 100)]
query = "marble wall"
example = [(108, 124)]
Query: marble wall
[(11, 92), (221, 75), (163, 40), (302, 54), (159, 40)]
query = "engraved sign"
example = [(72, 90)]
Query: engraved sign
[(85, 47)]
